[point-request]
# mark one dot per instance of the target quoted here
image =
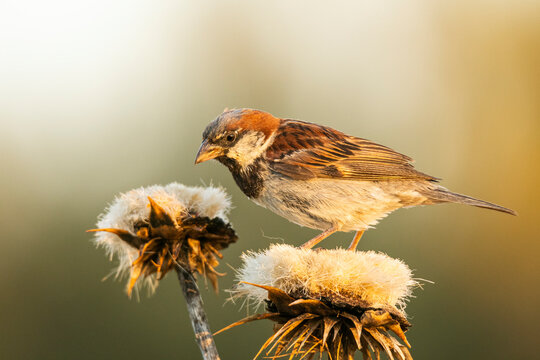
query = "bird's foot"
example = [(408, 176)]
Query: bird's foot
[(317, 239), (356, 240)]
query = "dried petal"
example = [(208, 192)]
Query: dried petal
[(322, 328)]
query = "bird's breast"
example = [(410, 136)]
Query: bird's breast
[(249, 178)]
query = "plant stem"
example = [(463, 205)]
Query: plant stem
[(194, 303)]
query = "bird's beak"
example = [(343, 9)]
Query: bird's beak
[(208, 151)]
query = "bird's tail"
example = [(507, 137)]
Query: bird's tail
[(441, 194)]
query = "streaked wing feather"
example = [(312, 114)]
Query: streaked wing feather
[(303, 150)]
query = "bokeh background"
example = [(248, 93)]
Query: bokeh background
[(99, 97)]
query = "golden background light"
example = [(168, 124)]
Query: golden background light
[(99, 97)]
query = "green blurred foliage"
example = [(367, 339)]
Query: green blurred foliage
[(97, 98)]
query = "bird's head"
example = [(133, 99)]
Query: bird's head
[(238, 135)]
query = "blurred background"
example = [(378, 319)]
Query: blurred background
[(99, 97)]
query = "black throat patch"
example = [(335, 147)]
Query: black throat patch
[(249, 179)]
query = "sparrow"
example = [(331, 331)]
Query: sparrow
[(319, 177)]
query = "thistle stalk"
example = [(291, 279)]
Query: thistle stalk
[(195, 308)]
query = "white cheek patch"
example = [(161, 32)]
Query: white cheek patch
[(249, 147)]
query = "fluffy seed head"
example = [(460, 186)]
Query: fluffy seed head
[(366, 279), (333, 301), (132, 209)]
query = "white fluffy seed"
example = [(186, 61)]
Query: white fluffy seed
[(371, 277)]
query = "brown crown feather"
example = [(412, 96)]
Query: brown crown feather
[(251, 119)]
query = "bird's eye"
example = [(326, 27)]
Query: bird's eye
[(230, 137)]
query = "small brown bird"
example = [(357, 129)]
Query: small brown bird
[(319, 177)]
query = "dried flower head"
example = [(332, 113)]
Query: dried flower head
[(332, 301), (153, 229)]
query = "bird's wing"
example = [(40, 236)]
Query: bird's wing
[(303, 150)]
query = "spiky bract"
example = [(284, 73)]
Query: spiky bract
[(328, 301), (151, 230)]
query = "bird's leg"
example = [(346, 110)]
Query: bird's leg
[(317, 239), (356, 240)]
